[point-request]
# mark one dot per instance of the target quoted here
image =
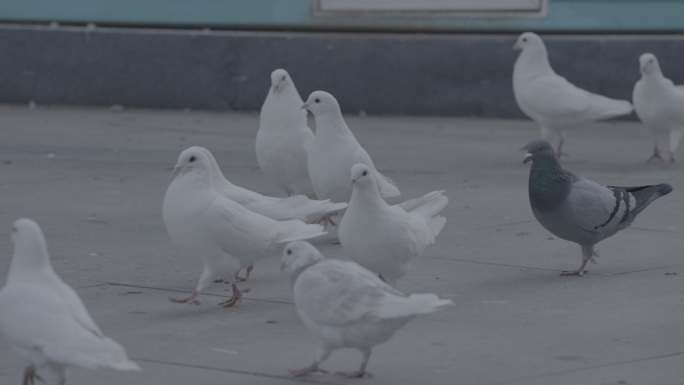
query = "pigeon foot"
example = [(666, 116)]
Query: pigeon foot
[(354, 374), (30, 376), (579, 272), (189, 300), (236, 299), (309, 369)]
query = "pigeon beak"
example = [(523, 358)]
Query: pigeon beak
[(275, 87), (176, 171), (528, 157), (305, 106), (516, 46), (282, 266), (351, 182)]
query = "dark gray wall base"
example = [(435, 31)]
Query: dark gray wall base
[(461, 75)]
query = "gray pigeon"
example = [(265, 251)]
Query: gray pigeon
[(577, 209)]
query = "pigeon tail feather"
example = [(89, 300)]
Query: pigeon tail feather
[(299, 233), (644, 195), (602, 108), (415, 304), (436, 224), (426, 206)]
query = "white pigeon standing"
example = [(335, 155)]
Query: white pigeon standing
[(335, 150), (294, 207), (283, 138), (386, 239), (550, 100), (659, 104), (220, 232), (44, 319), (346, 306)]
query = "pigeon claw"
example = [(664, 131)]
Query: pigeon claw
[(309, 369), (578, 272), (236, 299), (192, 299), (30, 376), (656, 156), (355, 374)]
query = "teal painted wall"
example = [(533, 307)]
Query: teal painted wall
[(623, 16)]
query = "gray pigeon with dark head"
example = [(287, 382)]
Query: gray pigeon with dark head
[(578, 210)]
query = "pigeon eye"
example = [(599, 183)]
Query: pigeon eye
[(364, 173), (524, 39), (317, 100), (193, 158), (284, 77), (289, 251), (541, 148)]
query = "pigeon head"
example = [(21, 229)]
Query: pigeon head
[(648, 64), (527, 40), (279, 79), (361, 175), (30, 249), (299, 255), (193, 159), (321, 102), (539, 151)]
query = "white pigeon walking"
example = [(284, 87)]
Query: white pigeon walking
[(283, 138), (220, 232), (347, 306), (659, 104), (43, 318), (335, 150), (550, 100), (295, 207), (386, 239)]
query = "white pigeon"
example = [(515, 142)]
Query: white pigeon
[(659, 104), (335, 150), (222, 233), (347, 306), (550, 100), (295, 207), (283, 138), (385, 239), (44, 319)]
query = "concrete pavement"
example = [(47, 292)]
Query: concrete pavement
[(95, 178)]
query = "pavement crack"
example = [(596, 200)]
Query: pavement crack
[(492, 264), (236, 371), (569, 371)]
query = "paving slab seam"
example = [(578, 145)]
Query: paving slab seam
[(569, 371), (649, 269), (235, 371), (491, 263), (505, 224), (190, 291)]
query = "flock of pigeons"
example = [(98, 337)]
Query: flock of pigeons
[(345, 303), (556, 104)]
